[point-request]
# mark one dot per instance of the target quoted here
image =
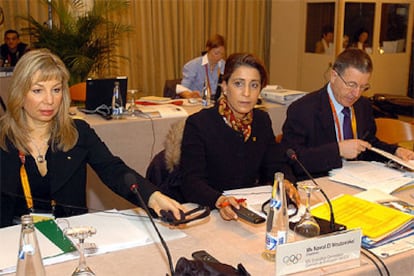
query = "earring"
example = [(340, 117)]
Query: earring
[(225, 93)]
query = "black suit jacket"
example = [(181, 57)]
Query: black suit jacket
[(67, 176), (309, 129)]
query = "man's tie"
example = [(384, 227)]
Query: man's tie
[(347, 127)]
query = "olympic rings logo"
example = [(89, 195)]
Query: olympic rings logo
[(292, 259)]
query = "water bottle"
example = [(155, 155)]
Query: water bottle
[(277, 223), (205, 95), (29, 261), (117, 106)]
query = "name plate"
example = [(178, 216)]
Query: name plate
[(319, 251)]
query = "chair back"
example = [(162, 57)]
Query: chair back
[(394, 131), (170, 88), (78, 92)]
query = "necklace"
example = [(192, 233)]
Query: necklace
[(40, 157)]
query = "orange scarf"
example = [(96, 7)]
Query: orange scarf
[(243, 125)]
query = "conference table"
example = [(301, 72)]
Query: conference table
[(138, 140), (231, 242)]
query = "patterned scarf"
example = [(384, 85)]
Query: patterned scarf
[(243, 125)]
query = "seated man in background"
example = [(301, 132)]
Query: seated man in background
[(12, 49), (335, 122), (204, 70)]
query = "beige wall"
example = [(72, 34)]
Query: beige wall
[(285, 43), (292, 68)]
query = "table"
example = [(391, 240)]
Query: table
[(136, 141), (231, 242)]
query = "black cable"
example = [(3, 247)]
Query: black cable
[(134, 189), (377, 258), (373, 261), (147, 116)]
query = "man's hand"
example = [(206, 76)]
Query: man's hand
[(351, 148), (404, 154)]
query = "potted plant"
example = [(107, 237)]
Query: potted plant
[(83, 37)]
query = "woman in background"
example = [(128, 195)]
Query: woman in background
[(204, 70), (45, 152), (232, 145)]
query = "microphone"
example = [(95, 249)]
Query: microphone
[(130, 178), (292, 155)]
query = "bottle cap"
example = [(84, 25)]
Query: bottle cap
[(27, 219)]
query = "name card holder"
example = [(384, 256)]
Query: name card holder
[(323, 251)]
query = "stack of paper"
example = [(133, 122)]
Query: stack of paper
[(379, 224), (275, 93), (367, 175)]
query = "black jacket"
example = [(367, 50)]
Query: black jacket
[(214, 157), (309, 129), (67, 176)]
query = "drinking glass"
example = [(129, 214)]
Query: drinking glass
[(81, 233), (132, 94), (307, 227)]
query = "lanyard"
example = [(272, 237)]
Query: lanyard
[(338, 125), (208, 79), (26, 186)]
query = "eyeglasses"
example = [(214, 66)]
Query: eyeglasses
[(353, 85)]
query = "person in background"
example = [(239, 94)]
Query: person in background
[(232, 145), (204, 70), (345, 42), (336, 122), (12, 49), (325, 44), (45, 152), (361, 39)]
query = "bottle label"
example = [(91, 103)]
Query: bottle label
[(26, 249), (272, 241), (274, 203)]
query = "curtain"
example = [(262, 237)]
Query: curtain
[(168, 33)]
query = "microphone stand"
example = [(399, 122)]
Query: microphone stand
[(134, 189), (292, 155)]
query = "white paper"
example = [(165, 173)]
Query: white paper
[(407, 164), (116, 230), (367, 175)]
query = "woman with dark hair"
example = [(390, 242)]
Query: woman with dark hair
[(45, 152), (232, 145)]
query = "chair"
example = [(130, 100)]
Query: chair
[(78, 92), (163, 170), (395, 131), (169, 88)]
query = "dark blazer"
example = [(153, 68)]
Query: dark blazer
[(214, 157), (309, 129), (67, 176)]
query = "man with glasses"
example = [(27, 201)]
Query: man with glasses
[(335, 122)]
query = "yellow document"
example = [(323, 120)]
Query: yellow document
[(375, 220)]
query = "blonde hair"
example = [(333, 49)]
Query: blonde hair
[(13, 125)]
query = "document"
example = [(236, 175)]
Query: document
[(379, 224), (407, 164), (115, 230), (367, 175)]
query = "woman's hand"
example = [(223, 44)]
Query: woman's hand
[(159, 201), (292, 192), (190, 94), (223, 204)]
